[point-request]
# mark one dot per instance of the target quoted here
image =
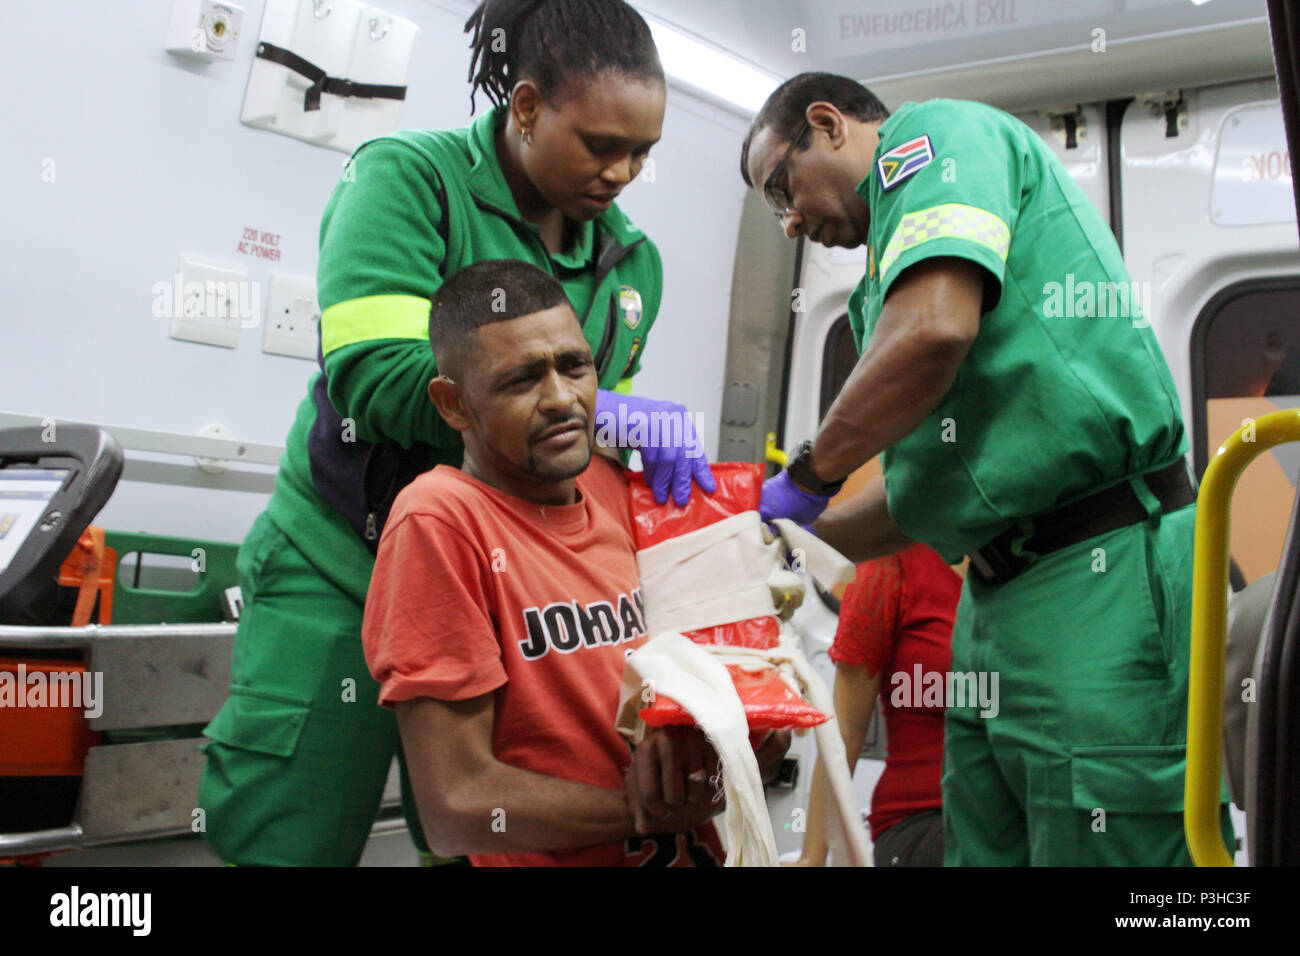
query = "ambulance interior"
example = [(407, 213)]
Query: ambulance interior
[(1166, 112)]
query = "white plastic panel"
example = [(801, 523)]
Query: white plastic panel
[(1252, 173), (381, 53), (346, 39), (275, 96), (915, 39), (1017, 55)]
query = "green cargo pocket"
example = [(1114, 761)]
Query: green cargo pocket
[(1139, 791), (1129, 779), (261, 721)]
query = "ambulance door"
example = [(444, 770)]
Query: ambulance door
[(1210, 236)]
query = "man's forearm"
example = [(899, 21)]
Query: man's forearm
[(505, 809), (923, 333), (471, 802), (861, 528), (891, 391)]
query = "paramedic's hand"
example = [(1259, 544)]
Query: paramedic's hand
[(782, 498), (670, 450), (667, 785)]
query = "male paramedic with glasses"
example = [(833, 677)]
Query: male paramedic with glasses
[(1044, 442)]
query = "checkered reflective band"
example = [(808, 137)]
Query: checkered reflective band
[(949, 221)]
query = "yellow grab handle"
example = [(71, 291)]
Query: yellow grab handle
[(773, 454), (1209, 629)]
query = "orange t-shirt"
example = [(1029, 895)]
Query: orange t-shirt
[(477, 591)]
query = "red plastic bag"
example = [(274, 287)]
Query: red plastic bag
[(770, 703)]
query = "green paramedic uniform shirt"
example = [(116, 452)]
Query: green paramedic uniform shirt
[(1064, 390), (411, 208)]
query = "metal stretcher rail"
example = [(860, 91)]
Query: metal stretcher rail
[(69, 637), (155, 678), (73, 837)]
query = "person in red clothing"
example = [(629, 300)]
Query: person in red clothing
[(505, 599), (895, 629)]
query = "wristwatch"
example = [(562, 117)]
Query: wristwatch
[(800, 469)]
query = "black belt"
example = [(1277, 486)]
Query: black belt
[(1115, 507), (322, 82)]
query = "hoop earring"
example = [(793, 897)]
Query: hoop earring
[(526, 137)]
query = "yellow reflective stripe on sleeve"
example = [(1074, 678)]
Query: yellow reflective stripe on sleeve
[(624, 386), (949, 221), (374, 317)]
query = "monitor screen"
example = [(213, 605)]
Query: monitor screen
[(24, 495)]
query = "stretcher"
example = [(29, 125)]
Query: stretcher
[(123, 767)]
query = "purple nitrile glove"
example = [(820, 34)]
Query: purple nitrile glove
[(665, 436), (782, 498)]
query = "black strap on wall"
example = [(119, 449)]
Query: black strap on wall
[(321, 82)]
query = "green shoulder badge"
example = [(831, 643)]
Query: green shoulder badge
[(629, 306)]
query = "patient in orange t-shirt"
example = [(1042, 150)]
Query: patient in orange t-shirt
[(505, 599)]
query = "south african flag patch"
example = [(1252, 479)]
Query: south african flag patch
[(904, 161)]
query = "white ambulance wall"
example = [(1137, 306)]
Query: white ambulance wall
[(1175, 243), (149, 159)]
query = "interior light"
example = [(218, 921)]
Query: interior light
[(710, 70)]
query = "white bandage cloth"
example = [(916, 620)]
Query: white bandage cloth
[(733, 570), (701, 685)]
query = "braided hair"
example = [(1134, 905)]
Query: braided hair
[(553, 42)]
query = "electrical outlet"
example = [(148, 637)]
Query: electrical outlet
[(292, 317), (213, 301)]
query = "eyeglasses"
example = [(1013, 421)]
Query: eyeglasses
[(778, 197)]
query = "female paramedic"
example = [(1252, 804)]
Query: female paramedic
[(300, 752)]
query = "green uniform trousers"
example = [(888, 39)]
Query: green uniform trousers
[(1078, 758), (299, 754)]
